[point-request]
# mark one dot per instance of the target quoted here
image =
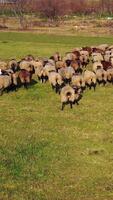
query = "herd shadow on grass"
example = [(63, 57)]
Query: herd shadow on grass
[(15, 89)]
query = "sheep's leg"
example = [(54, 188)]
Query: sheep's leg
[(25, 85), (71, 105), (77, 103), (104, 83), (63, 105), (1, 92), (89, 87), (94, 87)]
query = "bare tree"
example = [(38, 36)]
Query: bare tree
[(52, 9), (20, 8)]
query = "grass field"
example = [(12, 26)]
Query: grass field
[(47, 154)]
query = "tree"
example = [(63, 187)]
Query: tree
[(52, 9)]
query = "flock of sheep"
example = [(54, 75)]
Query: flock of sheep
[(69, 76)]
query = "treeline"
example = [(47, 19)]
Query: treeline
[(58, 8)]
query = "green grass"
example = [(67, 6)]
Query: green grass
[(46, 153)]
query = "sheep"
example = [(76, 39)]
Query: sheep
[(111, 59), (69, 96), (56, 81), (59, 65), (68, 73), (97, 65), (103, 47), (56, 57), (29, 58), (25, 65), (78, 81), (97, 57), (106, 65), (77, 54), (110, 47), (25, 77), (3, 65), (12, 63), (90, 79), (5, 82), (101, 76), (70, 56), (38, 67), (84, 58), (110, 75), (76, 66), (89, 49), (107, 56), (49, 67)]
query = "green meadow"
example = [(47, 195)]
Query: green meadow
[(47, 154)]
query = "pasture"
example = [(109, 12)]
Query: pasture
[(47, 154)]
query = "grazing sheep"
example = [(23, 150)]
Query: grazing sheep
[(106, 65), (56, 57), (38, 66), (84, 58), (56, 81), (68, 73), (5, 82), (25, 65), (97, 57), (3, 65), (90, 79), (49, 67), (76, 66), (25, 77), (69, 96), (29, 58), (101, 76), (78, 81), (97, 65), (111, 59), (110, 75), (103, 47), (89, 49), (70, 56), (59, 65), (77, 54)]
